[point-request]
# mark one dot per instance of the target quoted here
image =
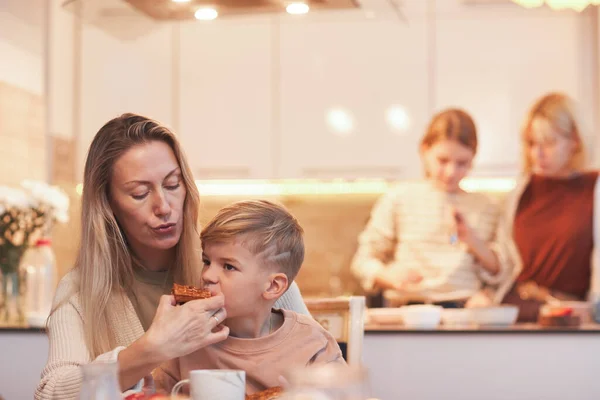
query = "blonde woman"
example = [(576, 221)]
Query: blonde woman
[(552, 221), (139, 235), (432, 241)]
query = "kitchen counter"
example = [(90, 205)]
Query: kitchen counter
[(522, 362), (372, 328), (21, 329), (23, 351)]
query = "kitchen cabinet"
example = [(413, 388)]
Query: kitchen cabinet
[(225, 98), (119, 76), (521, 362), (496, 60), (343, 94), (354, 95)]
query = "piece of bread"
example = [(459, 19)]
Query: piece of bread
[(267, 394), (184, 293)]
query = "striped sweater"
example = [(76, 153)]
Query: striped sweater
[(411, 228)]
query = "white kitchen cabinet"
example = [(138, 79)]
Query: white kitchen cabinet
[(340, 79), (119, 76), (343, 94), (495, 60), (225, 98)]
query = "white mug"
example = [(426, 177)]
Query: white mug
[(214, 384)]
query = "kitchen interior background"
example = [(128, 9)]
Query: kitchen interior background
[(321, 111)]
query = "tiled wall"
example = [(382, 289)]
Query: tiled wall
[(331, 224), (24, 154)]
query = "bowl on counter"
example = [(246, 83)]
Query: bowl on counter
[(498, 316), (457, 317), (421, 316), (384, 316)]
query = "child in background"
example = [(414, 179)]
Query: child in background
[(431, 241)]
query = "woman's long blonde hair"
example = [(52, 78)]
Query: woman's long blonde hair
[(559, 110), (103, 268)]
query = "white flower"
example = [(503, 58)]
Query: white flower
[(52, 196), (14, 198)]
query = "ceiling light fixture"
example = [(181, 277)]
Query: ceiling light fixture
[(577, 5), (297, 8), (340, 121), (397, 118), (206, 14)]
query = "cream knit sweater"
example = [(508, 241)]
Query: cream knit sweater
[(61, 378)]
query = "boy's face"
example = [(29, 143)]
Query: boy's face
[(231, 269)]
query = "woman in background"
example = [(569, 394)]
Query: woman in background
[(552, 221), (431, 241)]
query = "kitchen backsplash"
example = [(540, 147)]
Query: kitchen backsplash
[(331, 223)]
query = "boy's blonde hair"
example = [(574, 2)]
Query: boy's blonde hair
[(269, 230), (559, 110)]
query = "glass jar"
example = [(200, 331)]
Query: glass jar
[(100, 382), (328, 382), (38, 276)]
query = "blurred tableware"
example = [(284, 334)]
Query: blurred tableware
[(566, 314), (457, 317), (497, 316), (582, 309), (390, 315), (100, 381), (328, 382), (421, 316), (214, 384)]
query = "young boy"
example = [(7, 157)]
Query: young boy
[(252, 251)]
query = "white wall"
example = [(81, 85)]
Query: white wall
[(21, 45), (62, 70), (249, 96)]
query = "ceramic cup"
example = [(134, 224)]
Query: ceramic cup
[(214, 384)]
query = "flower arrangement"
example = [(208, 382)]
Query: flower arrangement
[(26, 215)]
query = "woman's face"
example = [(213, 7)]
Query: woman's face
[(549, 152), (447, 162), (147, 194)]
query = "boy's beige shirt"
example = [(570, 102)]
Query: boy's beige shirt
[(299, 342)]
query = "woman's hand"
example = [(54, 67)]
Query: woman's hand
[(180, 330), (175, 331)]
